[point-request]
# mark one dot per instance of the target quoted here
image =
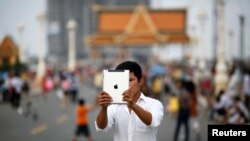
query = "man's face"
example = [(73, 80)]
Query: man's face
[(134, 83)]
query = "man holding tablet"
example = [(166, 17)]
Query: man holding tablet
[(135, 120)]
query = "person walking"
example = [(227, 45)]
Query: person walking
[(17, 83), (74, 89), (183, 114)]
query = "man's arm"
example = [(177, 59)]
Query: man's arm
[(102, 118), (104, 101), (145, 116)]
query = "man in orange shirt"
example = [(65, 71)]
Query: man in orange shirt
[(82, 120)]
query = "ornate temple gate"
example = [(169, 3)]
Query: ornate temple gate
[(9, 56), (125, 27)]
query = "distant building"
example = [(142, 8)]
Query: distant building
[(61, 11)]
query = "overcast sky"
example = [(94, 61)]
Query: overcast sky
[(12, 12)]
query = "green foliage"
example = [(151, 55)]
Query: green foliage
[(17, 66)]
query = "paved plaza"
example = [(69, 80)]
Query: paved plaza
[(54, 124)]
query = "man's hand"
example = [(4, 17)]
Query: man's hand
[(104, 99), (128, 96), (131, 97)]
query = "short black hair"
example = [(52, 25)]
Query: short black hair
[(132, 67), (189, 85), (81, 101)]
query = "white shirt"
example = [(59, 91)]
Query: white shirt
[(17, 84), (128, 126), (225, 102)]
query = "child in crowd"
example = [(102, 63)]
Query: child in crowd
[(82, 120)]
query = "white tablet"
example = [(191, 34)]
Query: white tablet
[(115, 82)]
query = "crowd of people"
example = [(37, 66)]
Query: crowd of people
[(188, 91), (181, 91)]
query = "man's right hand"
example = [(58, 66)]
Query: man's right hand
[(104, 99)]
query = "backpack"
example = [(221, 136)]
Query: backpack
[(157, 86), (173, 104), (25, 86)]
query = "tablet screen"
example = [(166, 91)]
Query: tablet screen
[(115, 82)]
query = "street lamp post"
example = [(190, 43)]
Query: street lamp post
[(41, 17), (202, 19), (242, 23), (221, 77), (193, 42), (72, 51), (20, 28), (230, 52)]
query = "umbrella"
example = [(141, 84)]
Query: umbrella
[(157, 70)]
